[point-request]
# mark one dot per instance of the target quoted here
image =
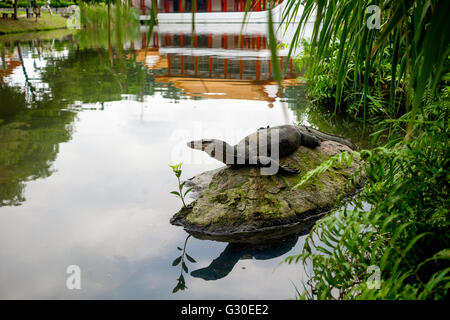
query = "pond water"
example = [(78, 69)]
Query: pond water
[(86, 140)]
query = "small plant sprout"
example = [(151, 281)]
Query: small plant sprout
[(180, 193)]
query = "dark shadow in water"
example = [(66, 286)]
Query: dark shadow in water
[(221, 266)]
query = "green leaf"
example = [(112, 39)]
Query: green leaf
[(176, 261), (187, 191), (190, 258), (273, 48)]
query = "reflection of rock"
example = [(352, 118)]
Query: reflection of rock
[(222, 265), (240, 205)]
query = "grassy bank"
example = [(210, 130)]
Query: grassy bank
[(40, 35), (45, 22)]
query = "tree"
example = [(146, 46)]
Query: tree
[(15, 9)]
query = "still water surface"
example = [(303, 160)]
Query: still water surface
[(85, 148)]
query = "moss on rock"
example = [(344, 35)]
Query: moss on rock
[(242, 199)]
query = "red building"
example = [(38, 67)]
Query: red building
[(176, 6)]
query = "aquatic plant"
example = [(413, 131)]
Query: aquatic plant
[(180, 193)]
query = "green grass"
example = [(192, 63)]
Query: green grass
[(45, 22)]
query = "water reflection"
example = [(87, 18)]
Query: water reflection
[(30, 134), (214, 66), (61, 78), (182, 261), (85, 143), (230, 256), (221, 266)]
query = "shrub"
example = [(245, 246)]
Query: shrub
[(25, 4), (400, 222)]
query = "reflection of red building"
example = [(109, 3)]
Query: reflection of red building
[(11, 64), (219, 66), (171, 6), (225, 88), (218, 56)]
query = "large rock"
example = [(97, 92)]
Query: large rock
[(240, 205)]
